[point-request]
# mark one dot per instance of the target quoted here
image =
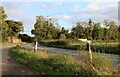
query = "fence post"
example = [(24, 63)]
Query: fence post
[(35, 48), (89, 52)]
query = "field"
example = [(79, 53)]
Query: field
[(97, 46)]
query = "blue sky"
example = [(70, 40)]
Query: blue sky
[(66, 13)]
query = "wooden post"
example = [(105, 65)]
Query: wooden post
[(89, 52), (36, 44)]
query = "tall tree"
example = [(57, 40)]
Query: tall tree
[(90, 26), (77, 31), (112, 32), (65, 32), (3, 25), (43, 28), (97, 32)]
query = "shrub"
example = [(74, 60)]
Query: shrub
[(62, 37), (56, 42), (103, 63)]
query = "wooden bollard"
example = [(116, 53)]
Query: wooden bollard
[(35, 48), (89, 52)]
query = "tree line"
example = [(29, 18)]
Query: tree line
[(46, 28)]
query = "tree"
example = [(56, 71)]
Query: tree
[(15, 27), (62, 37), (25, 38), (65, 32), (44, 28), (106, 27), (90, 26), (112, 32), (97, 32), (3, 25), (2, 13), (77, 31)]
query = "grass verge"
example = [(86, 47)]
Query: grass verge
[(57, 64)]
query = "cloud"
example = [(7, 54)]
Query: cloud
[(58, 3), (49, 6), (14, 12), (64, 17), (75, 10), (91, 8), (100, 0), (12, 9), (111, 11)]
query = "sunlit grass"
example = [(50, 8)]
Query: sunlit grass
[(59, 64)]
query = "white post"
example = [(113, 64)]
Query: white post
[(36, 44), (90, 54)]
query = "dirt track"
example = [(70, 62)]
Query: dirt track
[(11, 67)]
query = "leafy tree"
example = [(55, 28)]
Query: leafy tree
[(62, 37), (112, 32), (77, 31), (2, 13), (44, 29), (97, 32), (90, 26), (40, 28), (65, 32), (15, 27), (25, 38), (3, 25)]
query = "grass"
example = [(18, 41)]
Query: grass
[(58, 64), (111, 48)]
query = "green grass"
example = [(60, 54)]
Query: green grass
[(58, 64), (111, 48)]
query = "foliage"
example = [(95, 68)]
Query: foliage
[(9, 27), (25, 38), (43, 28), (62, 37), (15, 27), (77, 32), (3, 25), (102, 63), (111, 48), (2, 13)]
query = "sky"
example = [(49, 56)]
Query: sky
[(67, 13)]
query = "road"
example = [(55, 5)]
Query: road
[(10, 66), (67, 51)]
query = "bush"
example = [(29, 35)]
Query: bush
[(102, 63), (62, 37), (56, 42)]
